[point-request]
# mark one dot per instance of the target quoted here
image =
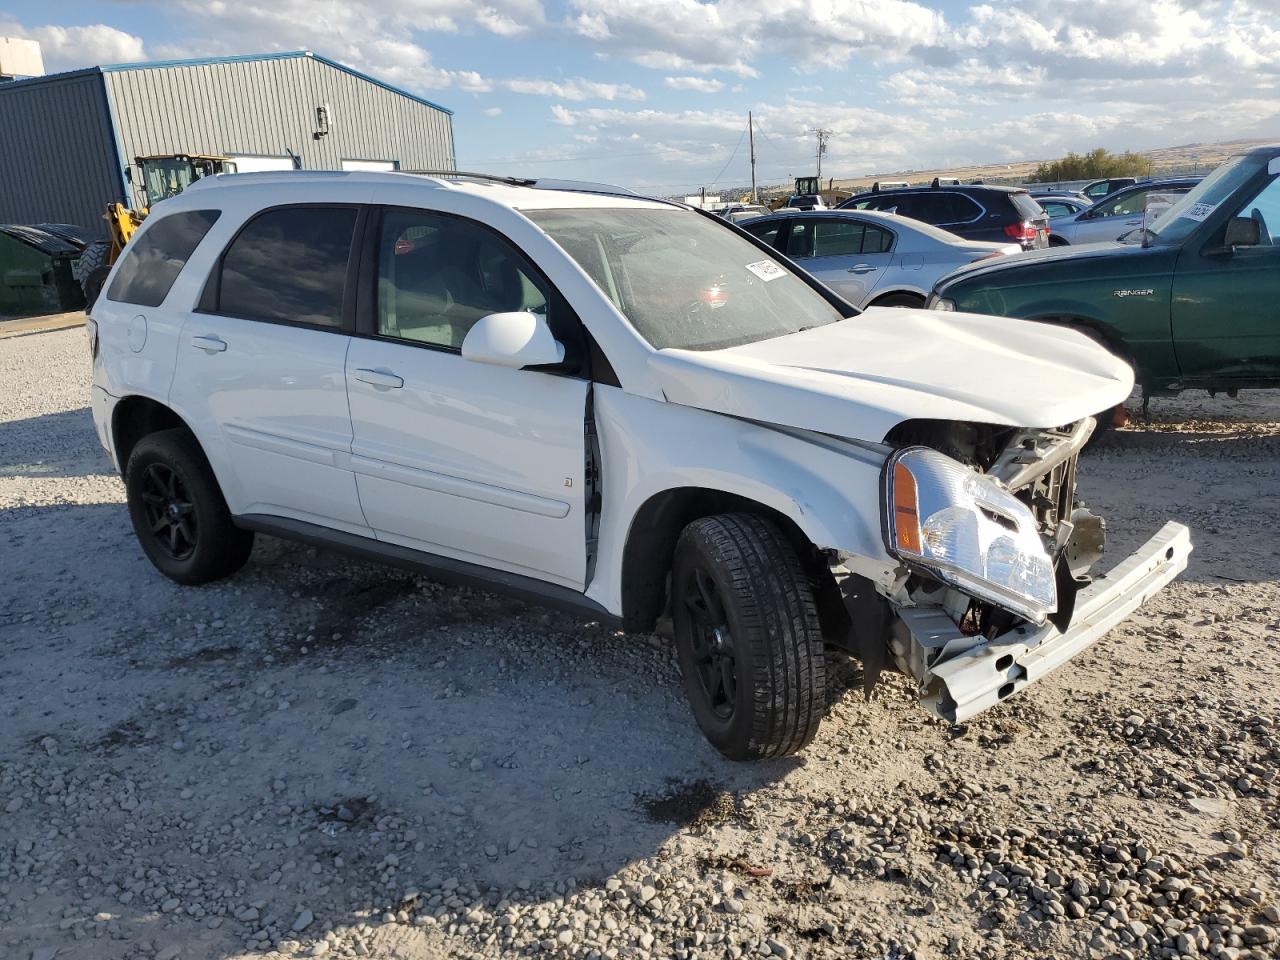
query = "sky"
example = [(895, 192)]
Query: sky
[(654, 94)]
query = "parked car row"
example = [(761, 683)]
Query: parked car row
[(871, 258), (1184, 292), (1189, 300), (1115, 215)]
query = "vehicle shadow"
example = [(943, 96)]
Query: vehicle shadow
[(60, 444), (398, 734)]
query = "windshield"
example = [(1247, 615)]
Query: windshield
[(1192, 208), (684, 280), (166, 178)]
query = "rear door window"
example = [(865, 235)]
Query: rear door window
[(288, 265), (157, 255), (837, 238), (1026, 206)]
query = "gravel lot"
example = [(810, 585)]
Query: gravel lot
[(321, 757)]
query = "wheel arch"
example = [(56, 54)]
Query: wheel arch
[(136, 416), (898, 291), (656, 526), (1103, 333)]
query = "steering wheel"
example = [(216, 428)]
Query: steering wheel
[(1264, 235)]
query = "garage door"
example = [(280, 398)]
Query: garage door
[(258, 164), (370, 164)]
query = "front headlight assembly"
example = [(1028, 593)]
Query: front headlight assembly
[(968, 531)]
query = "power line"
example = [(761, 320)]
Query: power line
[(731, 156)]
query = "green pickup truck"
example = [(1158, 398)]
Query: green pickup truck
[(1191, 301)]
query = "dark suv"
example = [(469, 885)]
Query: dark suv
[(973, 212)]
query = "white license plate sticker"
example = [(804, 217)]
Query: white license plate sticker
[(766, 270)]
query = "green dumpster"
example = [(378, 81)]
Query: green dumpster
[(35, 272)]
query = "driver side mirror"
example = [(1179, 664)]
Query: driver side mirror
[(517, 340), (1241, 232)]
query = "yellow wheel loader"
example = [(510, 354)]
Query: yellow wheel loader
[(158, 177)]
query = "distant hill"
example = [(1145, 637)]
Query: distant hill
[(1185, 159)]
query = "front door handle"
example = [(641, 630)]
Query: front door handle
[(209, 344), (860, 268), (1134, 223), (383, 379)]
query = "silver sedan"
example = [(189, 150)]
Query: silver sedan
[(870, 258)]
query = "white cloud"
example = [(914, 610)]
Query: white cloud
[(575, 89), (493, 111), (69, 48), (696, 84), (732, 35)]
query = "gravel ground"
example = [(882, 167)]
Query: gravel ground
[(321, 757)]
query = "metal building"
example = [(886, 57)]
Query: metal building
[(68, 141)]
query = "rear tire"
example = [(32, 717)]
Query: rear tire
[(747, 637), (178, 512), (91, 270), (899, 300)]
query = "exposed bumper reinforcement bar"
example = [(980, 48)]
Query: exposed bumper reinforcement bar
[(965, 678)]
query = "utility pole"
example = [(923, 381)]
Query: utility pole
[(751, 135), (823, 136)]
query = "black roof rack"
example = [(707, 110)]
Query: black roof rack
[(466, 175)]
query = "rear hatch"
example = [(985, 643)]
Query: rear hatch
[(1035, 222)]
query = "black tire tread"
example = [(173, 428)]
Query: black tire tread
[(224, 548), (779, 632)]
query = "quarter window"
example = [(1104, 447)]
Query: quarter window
[(157, 255), (438, 275), (289, 265), (767, 232)]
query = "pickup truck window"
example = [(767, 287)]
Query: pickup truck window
[(683, 280), (1177, 223)]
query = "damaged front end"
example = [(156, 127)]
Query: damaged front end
[(994, 587)]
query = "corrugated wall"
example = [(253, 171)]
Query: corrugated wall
[(267, 107), (57, 159)]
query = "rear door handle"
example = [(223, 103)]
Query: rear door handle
[(383, 379), (1133, 223), (860, 268), (209, 344)]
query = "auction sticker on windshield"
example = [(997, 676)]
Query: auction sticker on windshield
[(1199, 211), (766, 270)]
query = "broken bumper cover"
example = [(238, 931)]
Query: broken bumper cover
[(962, 678)]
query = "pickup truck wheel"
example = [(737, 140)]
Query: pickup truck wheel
[(747, 637), (178, 512)]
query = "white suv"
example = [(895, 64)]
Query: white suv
[(621, 405)]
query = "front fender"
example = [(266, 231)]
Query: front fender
[(829, 488)]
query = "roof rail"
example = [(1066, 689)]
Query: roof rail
[(465, 175)]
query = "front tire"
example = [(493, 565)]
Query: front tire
[(747, 637), (178, 512)]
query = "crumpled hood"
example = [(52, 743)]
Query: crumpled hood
[(860, 377)]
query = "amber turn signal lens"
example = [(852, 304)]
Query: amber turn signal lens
[(906, 516)]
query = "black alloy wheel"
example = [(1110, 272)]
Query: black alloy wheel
[(711, 642), (170, 514)]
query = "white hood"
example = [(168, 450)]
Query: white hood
[(860, 377)]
